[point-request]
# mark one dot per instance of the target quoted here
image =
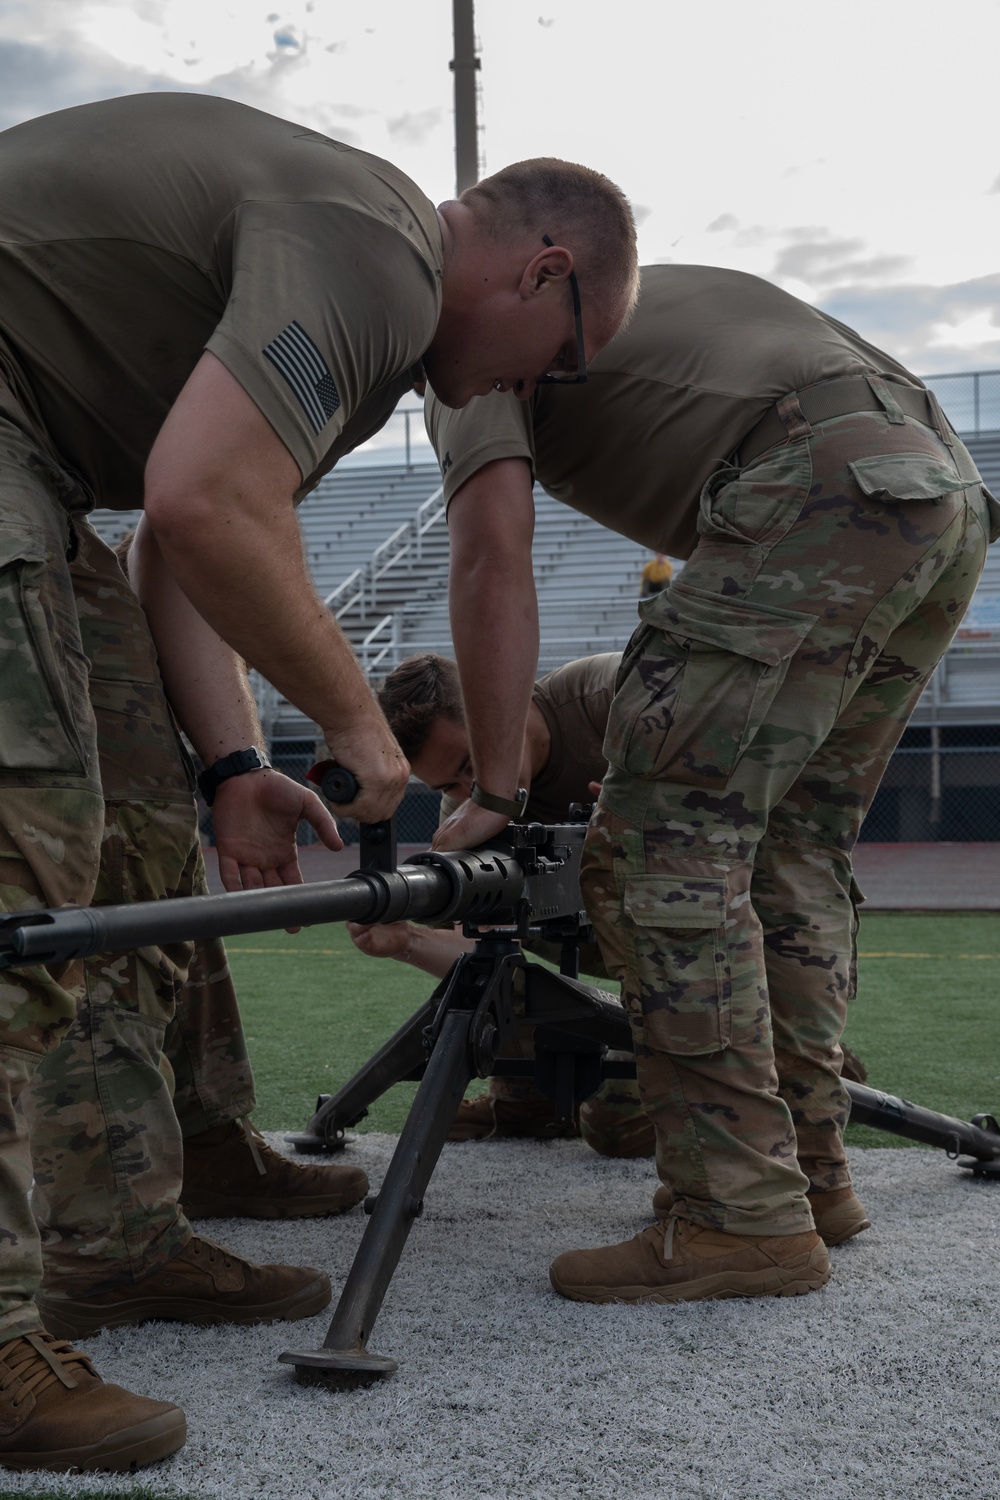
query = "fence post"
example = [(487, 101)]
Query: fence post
[(935, 812), (975, 399)]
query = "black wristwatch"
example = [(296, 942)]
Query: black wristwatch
[(236, 764)]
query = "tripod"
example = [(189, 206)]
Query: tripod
[(457, 1036), (452, 1039)]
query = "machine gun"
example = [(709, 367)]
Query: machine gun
[(524, 885)]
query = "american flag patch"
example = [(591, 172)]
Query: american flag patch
[(294, 355)]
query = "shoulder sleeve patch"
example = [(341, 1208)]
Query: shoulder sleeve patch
[(299, 362)]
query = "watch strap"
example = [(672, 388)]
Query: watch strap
[(235, 764), (509, 807)]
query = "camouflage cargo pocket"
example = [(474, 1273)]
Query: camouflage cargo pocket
[(906, 476), (42, 670), (141, 753), (898, 477), (679, 967), (760, 503), (701, 685)]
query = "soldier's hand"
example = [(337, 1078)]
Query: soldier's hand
[(469, 826), (256, 818), (382, 770), (393, 940)]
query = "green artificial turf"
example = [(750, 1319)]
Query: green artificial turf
[(924, 1021), (927, 1010), (314, 1010)]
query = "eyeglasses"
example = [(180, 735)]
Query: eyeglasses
[(579, 375)]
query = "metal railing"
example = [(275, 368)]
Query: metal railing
[(406, 543), (402, 440), (338, 606), (371, 655), (428, 515)]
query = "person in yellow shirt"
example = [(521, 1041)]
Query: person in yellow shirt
[(656, 575)]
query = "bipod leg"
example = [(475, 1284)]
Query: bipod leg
[(402, 1056), (475, 1018)]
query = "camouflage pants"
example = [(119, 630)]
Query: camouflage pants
[(758, 704), (95, 803)]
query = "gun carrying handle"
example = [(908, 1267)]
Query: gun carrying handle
[(378, 840), (337, 783)]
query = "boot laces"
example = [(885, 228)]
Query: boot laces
[(51, 1358), (210, 1251), (255, 1141)]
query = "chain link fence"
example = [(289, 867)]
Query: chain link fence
[(942, 785), (971, 400)]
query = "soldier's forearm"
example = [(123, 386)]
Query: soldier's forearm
[(494, 616), (204, 678)]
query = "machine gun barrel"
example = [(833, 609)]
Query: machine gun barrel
[(484, 885)]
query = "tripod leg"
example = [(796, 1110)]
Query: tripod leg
[(396, 1059), (397, 1205)]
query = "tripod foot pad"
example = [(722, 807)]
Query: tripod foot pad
[(340, 1369), (314, 1145), (989, 1169)]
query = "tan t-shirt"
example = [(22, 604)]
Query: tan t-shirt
[(575, 701), (138, 232), (670, 399)]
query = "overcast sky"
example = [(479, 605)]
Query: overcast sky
[(848, 150)]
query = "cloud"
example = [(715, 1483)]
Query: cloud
[(640, 213), (724, 221), (414, 126), (932, 329), (35, 80), (819, 259)]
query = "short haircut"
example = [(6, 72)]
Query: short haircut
[(577, 207), (415, 694)]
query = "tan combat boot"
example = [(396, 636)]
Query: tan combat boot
[(676, 1261), (204, 1283), (838, 1214), (488, 1118), (231, 1172), (613, 1121), (57, 1414)]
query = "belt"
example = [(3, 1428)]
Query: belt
[(837, 398)]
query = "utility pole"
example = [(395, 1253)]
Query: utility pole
[(465, 65)]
